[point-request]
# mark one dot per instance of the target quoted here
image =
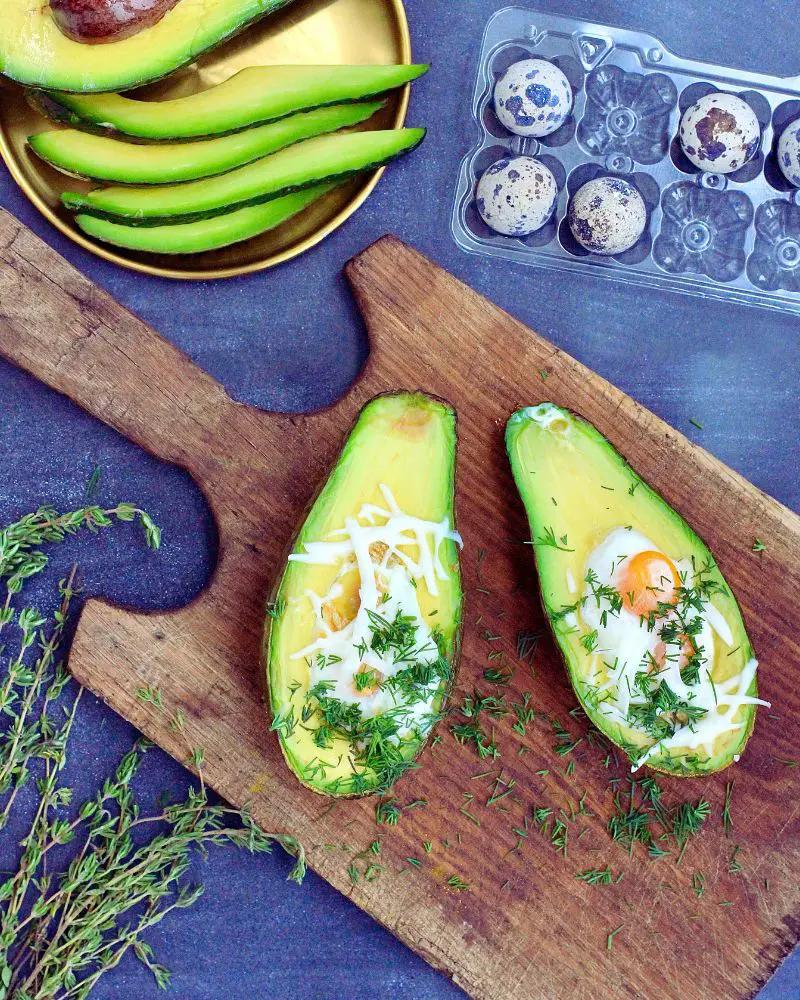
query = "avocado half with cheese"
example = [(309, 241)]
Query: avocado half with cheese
[(652, 636), (35, 50), (362, 636)]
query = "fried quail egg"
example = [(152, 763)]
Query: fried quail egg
[(516, 195), (720, 133), (533, 97), (789, 152), (607, 215)]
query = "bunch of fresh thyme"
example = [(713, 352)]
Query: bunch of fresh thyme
[(61, 930)]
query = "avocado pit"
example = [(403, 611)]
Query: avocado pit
[(93, 22)]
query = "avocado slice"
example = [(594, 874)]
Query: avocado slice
[(81, 154), (253, 96), (301, 165), (206, 234), (652, 636), (35, 51), (362, 638)]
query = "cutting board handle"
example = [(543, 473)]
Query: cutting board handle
[(57, 326)]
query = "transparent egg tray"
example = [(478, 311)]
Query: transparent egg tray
[(734, 236)]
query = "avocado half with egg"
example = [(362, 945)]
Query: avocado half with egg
[(653, 638), (363, 634), (34, 50)]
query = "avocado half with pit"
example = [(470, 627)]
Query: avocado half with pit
[(34, 50), (651, 634), (363, 634)]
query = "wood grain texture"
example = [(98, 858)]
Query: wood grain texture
[(543, 935)]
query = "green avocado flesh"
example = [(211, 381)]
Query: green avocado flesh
[(343, 722), (206, 234), (81, 154), (253, 96), (301, 165), (654, 649), (34, 51)]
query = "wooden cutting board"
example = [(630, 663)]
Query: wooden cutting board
[(526, 927)]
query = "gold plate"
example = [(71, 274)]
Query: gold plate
[(319, 32)]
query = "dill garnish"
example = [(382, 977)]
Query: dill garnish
[(548, 538), (527, 641), (602, 876), (727, 821), (734, 865), (387, 812)]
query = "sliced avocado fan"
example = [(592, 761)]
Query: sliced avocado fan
[(362, 637), (330, 157), (97, 157), (653, 639), (206, 234), (253, 96)]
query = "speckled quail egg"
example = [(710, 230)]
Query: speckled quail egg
[(720, 133), (533, 97), (517, 195), (789, 152), (607, 215)]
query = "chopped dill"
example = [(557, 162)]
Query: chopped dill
[(727, 821), (602, 876), (611, 936), (548, 538), (734, 865)]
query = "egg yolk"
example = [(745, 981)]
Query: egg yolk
[(366, 690), (687, 651), (646, 580)]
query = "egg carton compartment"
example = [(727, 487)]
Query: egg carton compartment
[(729, 235)]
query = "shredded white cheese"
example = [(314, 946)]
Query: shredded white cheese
[(393, 552), (731, 695)]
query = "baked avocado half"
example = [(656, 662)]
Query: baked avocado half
[(652, 636), (362, 637), (35, 51)]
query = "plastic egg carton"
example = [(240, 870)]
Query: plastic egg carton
[(734, 236)]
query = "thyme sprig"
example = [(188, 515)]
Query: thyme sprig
[(62, 930)]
